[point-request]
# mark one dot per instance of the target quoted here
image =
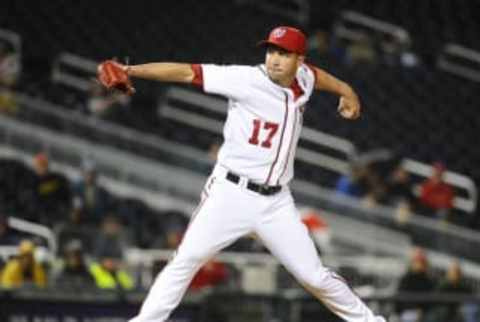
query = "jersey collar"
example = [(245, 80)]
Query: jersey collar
[(296, 88)]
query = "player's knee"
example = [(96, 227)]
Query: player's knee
[(307, 277), (193, 257), (314, 278)]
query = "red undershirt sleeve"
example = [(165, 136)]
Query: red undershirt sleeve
[(198, 75)]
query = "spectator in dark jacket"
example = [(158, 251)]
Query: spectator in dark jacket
[(416, 280), (399, 188), (112, 240), (10, 70), (398, 194), (51, 192), (93, 198), (16, 189), (75, 274), (76, 228), (452, 283)]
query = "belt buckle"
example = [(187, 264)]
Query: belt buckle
[(264, 189)]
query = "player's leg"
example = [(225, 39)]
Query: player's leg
[(219, 221), (287, 238)]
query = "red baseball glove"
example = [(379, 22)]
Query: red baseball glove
[(112, 74)]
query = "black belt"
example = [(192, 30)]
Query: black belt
[(258, 188)]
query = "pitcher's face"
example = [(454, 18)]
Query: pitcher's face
[(282, 65)]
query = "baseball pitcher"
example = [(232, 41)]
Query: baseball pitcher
[(248, 192)]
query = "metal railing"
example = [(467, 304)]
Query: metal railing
[(41, 112), (111, 162), (67, 67), (115, 184), (34, 229), (430, 233), (262, 269), (12, 38), (297, 10), (460, 61), (350, 25)]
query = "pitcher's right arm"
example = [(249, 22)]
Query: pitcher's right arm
[(162, 72)]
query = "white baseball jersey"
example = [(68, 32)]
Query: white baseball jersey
[(263, 123)]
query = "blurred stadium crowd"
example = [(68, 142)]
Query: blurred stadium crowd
[(412, 108)]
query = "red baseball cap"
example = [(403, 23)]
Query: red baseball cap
[(288, 38)]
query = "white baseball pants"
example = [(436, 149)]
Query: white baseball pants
[(229, 211)]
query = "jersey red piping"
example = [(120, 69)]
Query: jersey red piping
[(312, 68), (289, 147), (281, 140), (296, 89)]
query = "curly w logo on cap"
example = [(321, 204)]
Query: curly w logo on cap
[(278, 32)]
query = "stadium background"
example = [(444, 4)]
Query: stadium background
[(151, 153)]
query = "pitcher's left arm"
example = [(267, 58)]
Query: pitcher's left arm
[(349, 104)]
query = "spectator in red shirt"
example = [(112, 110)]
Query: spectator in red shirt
[(436, 196), (211, 274), (318, 228)]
